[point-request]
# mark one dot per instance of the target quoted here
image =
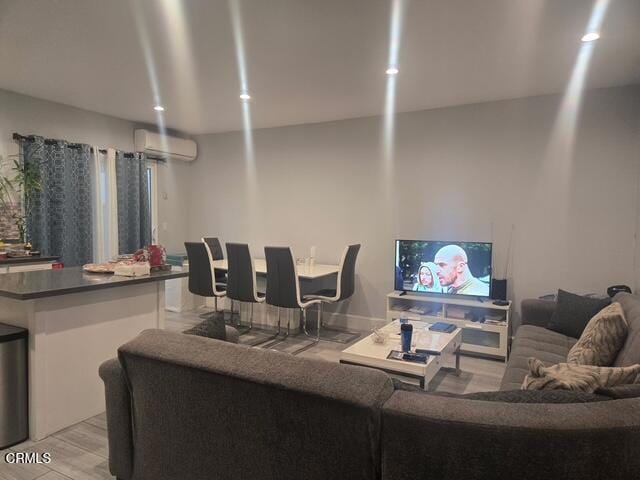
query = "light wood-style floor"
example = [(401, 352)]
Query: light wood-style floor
[(80, 452)]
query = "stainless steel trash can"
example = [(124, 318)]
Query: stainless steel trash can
[(14, 402)]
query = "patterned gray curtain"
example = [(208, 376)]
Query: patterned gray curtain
[(134, 215), (59, 215)]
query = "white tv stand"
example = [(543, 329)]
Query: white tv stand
[(490, 339)]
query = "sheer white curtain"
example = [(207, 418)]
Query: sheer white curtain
[(105, 245)]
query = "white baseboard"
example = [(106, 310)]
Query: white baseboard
[(356, 323)]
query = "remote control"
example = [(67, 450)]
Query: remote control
[(415, 357)]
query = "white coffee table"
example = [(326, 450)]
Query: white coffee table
[(446, 348)]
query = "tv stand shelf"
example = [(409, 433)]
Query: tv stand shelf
[(480, 335)]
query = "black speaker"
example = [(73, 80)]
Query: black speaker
[(499, 288), (611, 291)]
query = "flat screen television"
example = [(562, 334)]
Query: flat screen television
[(446, 268)]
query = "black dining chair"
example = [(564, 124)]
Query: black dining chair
[(241, 283), (201, 279), (216, 253), (283, 290), (345, 287)]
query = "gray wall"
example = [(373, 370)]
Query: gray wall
[(28, 115), (472, 172), (476, 172)]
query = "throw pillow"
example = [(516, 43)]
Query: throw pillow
[(513, 396), (602, 338), (582, 378), (573, 312)]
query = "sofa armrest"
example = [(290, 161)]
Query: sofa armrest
[(119, 421), (426, 436), (537, 312)]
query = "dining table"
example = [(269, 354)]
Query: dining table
[(315, 272)]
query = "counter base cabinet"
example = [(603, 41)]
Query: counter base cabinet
[(69, 337)]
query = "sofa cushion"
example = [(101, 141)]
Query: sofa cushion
[(235, 412), (532, 341), (630, 353), (583, 378), (620, 391), (602, 338), (573, 312), (448, 438)]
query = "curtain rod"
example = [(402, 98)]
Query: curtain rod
[(48, 141), (18, 137)]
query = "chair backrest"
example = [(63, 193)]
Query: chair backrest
[(200, 277), (241, 277), (283, 289), (214, 247), (347, 276)]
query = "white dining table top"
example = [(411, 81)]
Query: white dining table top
[(319, 270)]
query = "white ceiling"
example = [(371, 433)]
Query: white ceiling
[(307, 60)]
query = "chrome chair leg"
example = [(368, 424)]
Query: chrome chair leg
[(304, 322), (319, 321), (314, 341), (242, 329), (273, 340), (259, 341), (208, 314), (351, 336)]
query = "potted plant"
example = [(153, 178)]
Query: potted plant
[(19, 188)]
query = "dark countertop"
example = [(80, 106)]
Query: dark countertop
[(51, 283), (20, 260)]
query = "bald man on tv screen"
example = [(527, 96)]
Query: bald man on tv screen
[(453, 273)]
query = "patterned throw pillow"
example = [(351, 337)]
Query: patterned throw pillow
[(582, 378), (602, 339)]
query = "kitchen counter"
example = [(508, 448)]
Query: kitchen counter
[(50, 283), (24, 260), (76, 321)]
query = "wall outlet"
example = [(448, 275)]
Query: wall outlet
[(164, 226)]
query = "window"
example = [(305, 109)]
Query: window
[(152, 179)]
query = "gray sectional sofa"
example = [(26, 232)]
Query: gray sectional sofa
[(184, 407), (534, 340)]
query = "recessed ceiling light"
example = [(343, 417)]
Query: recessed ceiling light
[(245, 96), (159, 108), (392, 71), (590, 37)]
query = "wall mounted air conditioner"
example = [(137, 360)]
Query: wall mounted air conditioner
[(164, 147)]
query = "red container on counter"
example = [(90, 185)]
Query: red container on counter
[(57, 266), (157, 255)]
